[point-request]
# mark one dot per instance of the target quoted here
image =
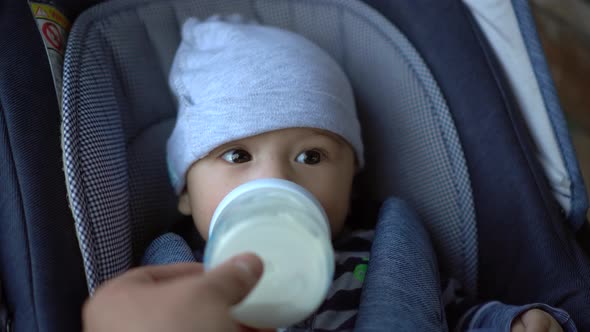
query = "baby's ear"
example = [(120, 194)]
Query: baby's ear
[(184, 204)]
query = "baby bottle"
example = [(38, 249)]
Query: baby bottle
[(288, 229)]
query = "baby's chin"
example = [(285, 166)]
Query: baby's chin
[(203, 230), (337, 231)]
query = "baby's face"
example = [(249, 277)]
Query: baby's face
[(317, 160)]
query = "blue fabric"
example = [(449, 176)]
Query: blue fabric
[(40, 264), (579, 196), (402, 289), (496, 316), (168, 248), (402, 286)]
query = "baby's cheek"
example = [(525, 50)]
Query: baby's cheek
[(337, 221), (202, 216), (202, 225), (335, 207)]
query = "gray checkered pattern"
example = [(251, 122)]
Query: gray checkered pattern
[(94, 159), (118, 113)]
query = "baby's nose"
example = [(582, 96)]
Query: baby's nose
[(275, 169)]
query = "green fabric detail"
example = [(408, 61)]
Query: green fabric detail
[(360, 271)]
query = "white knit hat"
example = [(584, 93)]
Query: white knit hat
[(236, 80)]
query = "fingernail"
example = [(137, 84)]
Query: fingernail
[(249, 263)]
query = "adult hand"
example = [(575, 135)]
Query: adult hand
[(535, 320), (177, 298)]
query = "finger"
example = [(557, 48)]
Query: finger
[(555, 327), (537, 320), (231, 281), (517, 326)]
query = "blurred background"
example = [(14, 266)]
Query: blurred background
[(564, 29)]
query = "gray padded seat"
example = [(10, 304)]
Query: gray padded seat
[(118, 113)]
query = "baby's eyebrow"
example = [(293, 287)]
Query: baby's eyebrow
[(329, 135)]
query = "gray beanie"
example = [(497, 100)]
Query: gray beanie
[(236, 80)]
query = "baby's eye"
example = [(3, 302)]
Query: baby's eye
[(309, 157), (236, 156)]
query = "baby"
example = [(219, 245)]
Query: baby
[(268, 104), (260, 102)]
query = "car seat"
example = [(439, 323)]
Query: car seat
[(434, 73)]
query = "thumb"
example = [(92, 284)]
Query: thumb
[(233, 280)]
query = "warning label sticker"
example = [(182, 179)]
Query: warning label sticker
[(54, 28)]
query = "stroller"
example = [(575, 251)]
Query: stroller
[(467, 112)]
